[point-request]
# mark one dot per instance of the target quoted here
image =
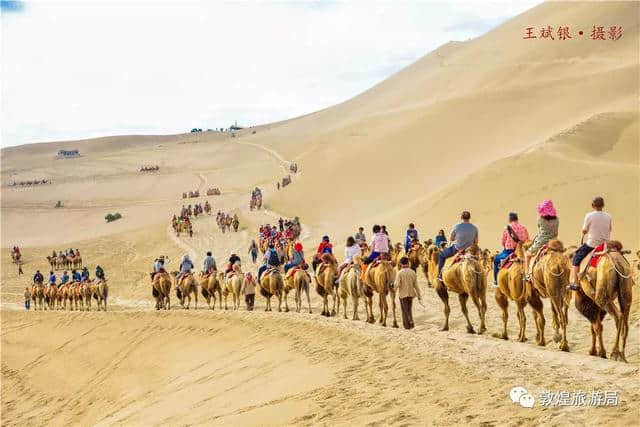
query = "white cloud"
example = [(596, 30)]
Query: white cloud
[(80, 69)]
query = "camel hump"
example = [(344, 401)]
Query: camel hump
[(555, 245)]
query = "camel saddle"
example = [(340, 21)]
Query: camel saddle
[(508, 262), (450, 262), (293, 270), (269, 271), (591, 260)]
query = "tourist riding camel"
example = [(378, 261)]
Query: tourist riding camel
[(440, 240), (209, 264), (547, 230), (38, 278), (271, 259), (360, 237), (232, 260), (513, 233), (325, 247), (410, 237), (463, 235), (351, 250), (297, 258), (185, 267), (85, 275), (379, 249), (597, 230)]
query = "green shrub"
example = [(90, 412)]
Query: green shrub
[(112, 217)]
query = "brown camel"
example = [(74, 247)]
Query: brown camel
[(38, 296), (50, 296), (272, 283), (210, 285), (161, 290), (601, 286), (432, 253), (549, 279), (326, 275), (350, 286), (186, 286), (511, 286), (378, 278), (395, 253), (301, 282), (100, 292), (467, 278), (232, 285)]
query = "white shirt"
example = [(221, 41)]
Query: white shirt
[(351, 251), (598, 227)]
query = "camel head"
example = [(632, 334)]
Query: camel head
[(556, 245)]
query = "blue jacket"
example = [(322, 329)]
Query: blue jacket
[(439, 240), (411, 234), (52, 278), (64, 279), (77, 277)]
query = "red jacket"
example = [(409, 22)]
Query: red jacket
[(324, 245)]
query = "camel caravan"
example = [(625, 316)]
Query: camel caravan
[(191, 194), (74, 292), (213, 191), (256, 199), (30, 183), (149, 168), (67, 259), (226, 222)]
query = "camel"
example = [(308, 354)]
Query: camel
[(52, 261), (326, 275), (297, 280), (77, 296), (350, 286), (432, 255), (396, 252), (64, 296), (186, 286), (232, 285), (100, 292), (271, 283), (467, 278), (511, 286), (85, 291), (600, 287), (210, 285), (38, 296), (549, 279), (379, 277), (51, 296), (161, 290)]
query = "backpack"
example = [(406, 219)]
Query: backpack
[(273, 257)]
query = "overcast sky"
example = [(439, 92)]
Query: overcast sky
[(79, 69)]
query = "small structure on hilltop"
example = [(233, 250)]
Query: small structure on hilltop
[(235, 126), (66, 154)]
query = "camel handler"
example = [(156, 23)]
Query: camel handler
[(27, 298), (597, 229), (463, 235), (209, 264), (513, 233), (249, 290), (407, 285)]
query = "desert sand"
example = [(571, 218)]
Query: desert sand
[(490, 125)]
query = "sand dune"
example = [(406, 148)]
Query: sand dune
[(492, 125)]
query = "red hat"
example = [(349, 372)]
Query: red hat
[(298, 246)]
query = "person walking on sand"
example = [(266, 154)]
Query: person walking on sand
[(20, 268), (281, 224), (249, 290), (407, 285), (27, 298), (597, 229), (253, 250)]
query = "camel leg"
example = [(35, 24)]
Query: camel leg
[(381, 309), (308, 299), (555, 322), (613, 311), (559, 311), (533, 298), (503, 303), (522, 318), (598, 329), (369, 307), (393, 308), (478, 304), (624, 299), (463, 297), (279, 295), (593, 351), (225, 301), (286, 301), (355, 307), (334, 297), (195, 305), (296, 297), (344, 303), (442, 292)]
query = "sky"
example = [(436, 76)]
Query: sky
[(81, 69)]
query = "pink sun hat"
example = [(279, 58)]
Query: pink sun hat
[(546, 208)]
